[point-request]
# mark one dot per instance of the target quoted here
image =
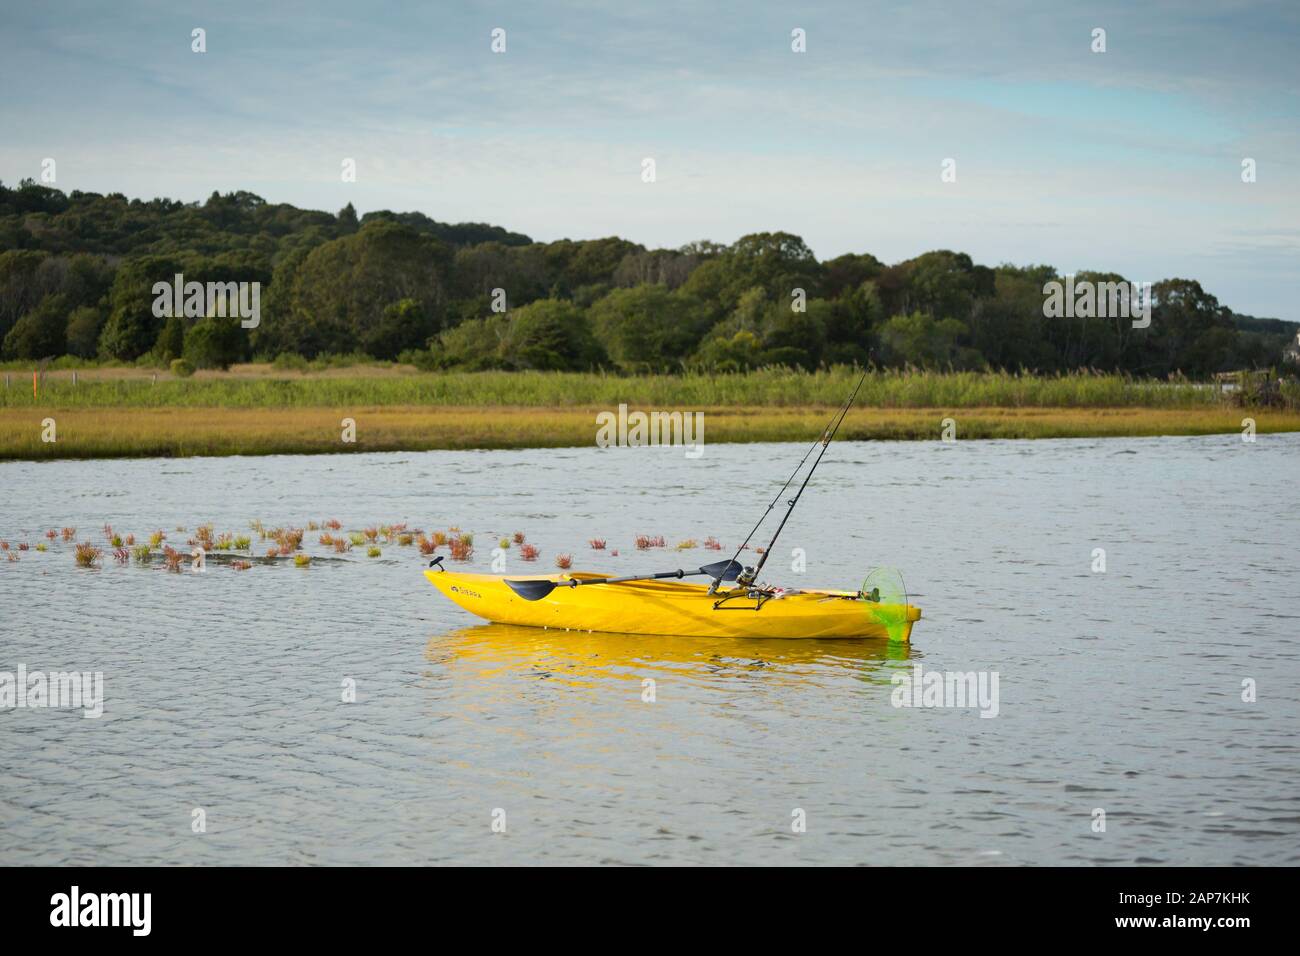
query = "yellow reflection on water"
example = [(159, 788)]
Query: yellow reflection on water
[(580, 658)]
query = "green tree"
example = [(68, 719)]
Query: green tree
[(476, 344), (20, 289), (402, 325), (919, 339), (41, 333), (647, 328), (132, 327), (171, 340), (342, 288), (83, 329), (551, 334), (738, 352), (776, 262), (348, 220), (215, 342), (796, 339)]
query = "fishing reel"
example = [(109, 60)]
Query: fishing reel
[(743, 580)]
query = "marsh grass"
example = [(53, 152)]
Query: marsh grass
[(147, 432), (765, 387)]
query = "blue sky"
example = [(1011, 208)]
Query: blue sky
[(1127, 161)]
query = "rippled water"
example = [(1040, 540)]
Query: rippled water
[(1119, 691)]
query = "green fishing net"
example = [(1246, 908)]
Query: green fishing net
[(885, 597)]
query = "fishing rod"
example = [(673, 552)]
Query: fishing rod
[(824, 440), (744, 544)]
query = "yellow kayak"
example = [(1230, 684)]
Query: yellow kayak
[(676, 608)]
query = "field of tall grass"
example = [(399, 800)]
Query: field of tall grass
[(260, 409), (179, 432), (256, 387)]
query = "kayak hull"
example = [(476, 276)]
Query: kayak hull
[(676, 608)]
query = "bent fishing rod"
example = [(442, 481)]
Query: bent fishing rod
[(833, 426)]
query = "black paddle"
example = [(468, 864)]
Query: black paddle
[(536, 590)]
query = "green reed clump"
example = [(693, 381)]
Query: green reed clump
[(87, 555)]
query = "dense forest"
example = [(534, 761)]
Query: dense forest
[(77, 273)]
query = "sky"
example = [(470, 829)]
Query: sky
[(1127, 161)]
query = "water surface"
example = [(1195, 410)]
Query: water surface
[(1119, 691)]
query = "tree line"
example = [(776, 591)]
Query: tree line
[(78, 270)]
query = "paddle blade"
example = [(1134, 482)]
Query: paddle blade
[(723, 570), (531, 590)]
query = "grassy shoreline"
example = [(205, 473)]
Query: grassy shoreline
[(263, 386), (116, 412), (180, 432)]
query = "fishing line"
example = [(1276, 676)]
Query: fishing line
[(824, 439)]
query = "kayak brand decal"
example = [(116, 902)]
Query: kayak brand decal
[(624, 429), (465, 591)]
